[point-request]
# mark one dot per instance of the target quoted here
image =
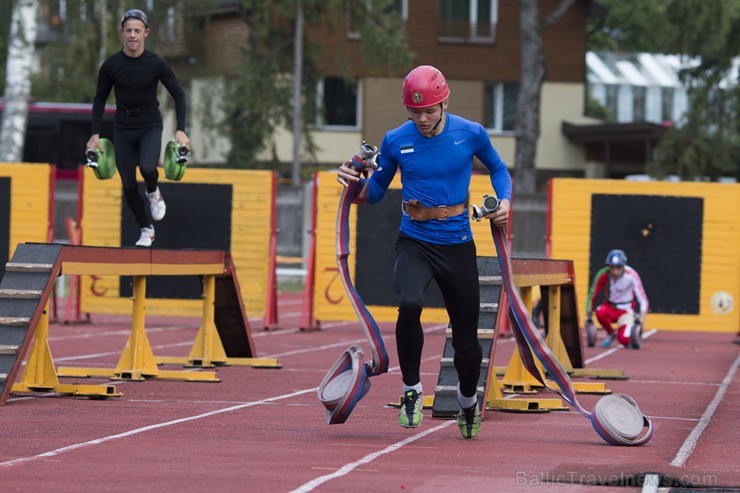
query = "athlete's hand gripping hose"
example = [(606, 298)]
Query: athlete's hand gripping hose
[(347, 381), (616, 418)]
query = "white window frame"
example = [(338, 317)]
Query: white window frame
[(498, 106), (319, 125), (473, 20)]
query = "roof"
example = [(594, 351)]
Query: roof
[(635, 69), (582, 134)]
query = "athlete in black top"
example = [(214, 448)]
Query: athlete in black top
[(133, 73)]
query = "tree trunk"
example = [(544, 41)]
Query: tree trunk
[(530, 89), (21, 48), (528, 118)]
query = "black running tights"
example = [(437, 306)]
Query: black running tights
[(138, 146), (454, 268)]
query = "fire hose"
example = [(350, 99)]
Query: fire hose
[(348, 379), (616, 418)]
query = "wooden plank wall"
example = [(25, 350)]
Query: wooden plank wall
[(570, 223), (252, 200), (330, 299), (29, 202)]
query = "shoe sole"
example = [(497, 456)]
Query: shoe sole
[(410, 425)]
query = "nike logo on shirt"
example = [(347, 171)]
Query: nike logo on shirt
[(458, 142)]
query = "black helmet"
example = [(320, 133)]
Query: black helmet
[(135, 14)]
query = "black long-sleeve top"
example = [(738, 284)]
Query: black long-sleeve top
[(135, 82)]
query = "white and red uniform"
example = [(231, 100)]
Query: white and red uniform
[(620, 294)]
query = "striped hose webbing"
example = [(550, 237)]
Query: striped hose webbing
[(380, 359), (616, 418), (347, 381)]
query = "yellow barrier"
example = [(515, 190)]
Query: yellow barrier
[(30, 201), (250, 228), (715, 234), (329, 300)]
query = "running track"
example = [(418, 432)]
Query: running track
[(263, 430)]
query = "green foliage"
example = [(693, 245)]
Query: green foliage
[(259, 99), (595, 109), (84, 38), (705, 144), (636, 25), (690, 153), (382, 35)]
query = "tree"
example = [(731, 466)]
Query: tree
[(708, 143), (707, 36), (630, 26), (6, 9), (254, 101), (90, 31), (530, 89), (21, 46)]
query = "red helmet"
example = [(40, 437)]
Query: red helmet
[(424, 86)]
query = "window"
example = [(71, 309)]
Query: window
[(467, 20), (612, 97), (666, 99), (397, 7), (170, 24), (638, 108), (337, 103), (501, 103)]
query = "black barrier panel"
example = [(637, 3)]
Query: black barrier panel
[(661, 236), (377, 230), (4, 223), (198, 218)]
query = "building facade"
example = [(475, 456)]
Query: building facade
[(475, 43)]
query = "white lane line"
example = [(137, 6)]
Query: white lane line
[(347, 468), (339, 344), (298, 301), (144, 429), (124, 332), (693, 439), (651, 483), (611, 351), (136, 431)]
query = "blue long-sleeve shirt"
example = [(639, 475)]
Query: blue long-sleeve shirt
[(436, 171)]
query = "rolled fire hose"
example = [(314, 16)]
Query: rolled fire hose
[(616, 418), (348, 379)]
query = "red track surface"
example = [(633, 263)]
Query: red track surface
[(263, 430)]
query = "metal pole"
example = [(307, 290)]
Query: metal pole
[(298, 71)]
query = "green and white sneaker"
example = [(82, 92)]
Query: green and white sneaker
[(468, 420), (411, 403)]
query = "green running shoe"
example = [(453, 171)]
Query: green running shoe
[(469, 421), (411, 403)]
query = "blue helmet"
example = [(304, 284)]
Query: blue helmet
[(616, 258)]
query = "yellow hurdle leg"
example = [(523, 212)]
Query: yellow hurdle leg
[(208, 350), (137, 360), (517, 379), (40, 374)]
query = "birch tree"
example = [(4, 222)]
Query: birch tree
[(21, 46), (530, 89)]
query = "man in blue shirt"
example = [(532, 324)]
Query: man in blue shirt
[(434, 152)]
